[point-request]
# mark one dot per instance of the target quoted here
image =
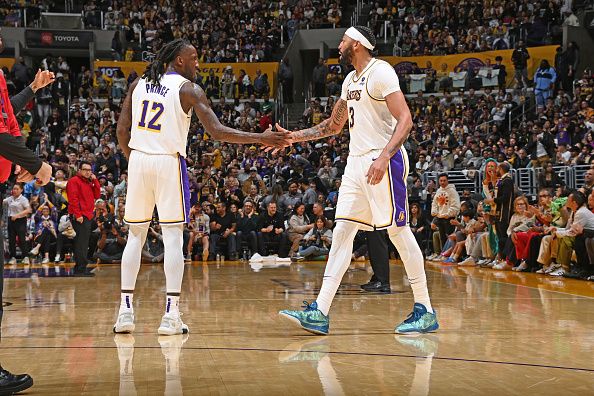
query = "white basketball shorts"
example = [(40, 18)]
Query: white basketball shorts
[(379, 206), (161, 180)]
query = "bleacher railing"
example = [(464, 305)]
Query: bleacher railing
[(526, 178)]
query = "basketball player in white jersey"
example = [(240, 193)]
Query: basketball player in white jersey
[(373, 191), (152, 132)]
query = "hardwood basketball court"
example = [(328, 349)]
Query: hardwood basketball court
[(502, 333)]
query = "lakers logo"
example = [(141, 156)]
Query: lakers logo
[(401, 216), (354, 95)]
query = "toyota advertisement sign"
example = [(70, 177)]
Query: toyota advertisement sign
[(73, 39)]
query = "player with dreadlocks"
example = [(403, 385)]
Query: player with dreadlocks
[(152, 132)]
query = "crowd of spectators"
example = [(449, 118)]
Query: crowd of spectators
[(12, 13), (225, 31), (246, 202), (438, 28)]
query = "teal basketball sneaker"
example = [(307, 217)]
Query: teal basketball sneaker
[(418, 321), (310, 319)]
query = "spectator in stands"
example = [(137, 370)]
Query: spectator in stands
[(520, 58), (541, 146), (504, 198), (419, 225), (549, 178), (222, 229), (272, 232), (112, 241), (285, 77), (18, 210), (544, 82), (291, 198), (316, 242), (247, 228), (82, 189), (320, 72), (199, 228), (581, 219), (299, 225), (46, 227), (521, 221), (445, 207), (589, 179)]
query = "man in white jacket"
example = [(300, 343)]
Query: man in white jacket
[(445, 207)]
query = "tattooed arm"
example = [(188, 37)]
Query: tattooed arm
[(328, 127)]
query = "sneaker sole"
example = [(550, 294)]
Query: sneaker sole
[(167, 332), (432, 329), (298, 323), (126, 329)]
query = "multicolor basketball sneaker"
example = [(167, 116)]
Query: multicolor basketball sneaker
[(310, 319), (418, 321)]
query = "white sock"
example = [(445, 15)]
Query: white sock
[(412, 257), (172, 304), (338, 262), (126, 301), (131, 256)]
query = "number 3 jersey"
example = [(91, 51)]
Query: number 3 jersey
[(371, 124), (159, 123)]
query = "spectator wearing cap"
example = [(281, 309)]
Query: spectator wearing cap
[(253, 179), (437, 165)]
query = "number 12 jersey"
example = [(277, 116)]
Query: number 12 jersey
[(159, 123)]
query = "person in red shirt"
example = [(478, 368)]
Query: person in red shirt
[(82, 189)]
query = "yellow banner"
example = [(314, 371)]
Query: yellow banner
[(108, 68), (403, 65), (7, 62)]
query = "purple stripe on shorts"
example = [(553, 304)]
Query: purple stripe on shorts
[(186, 188), (399, 193)]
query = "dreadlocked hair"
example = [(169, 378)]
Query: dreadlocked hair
[(155, 70), (368, 34)]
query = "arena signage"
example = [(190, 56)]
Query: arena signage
[(109, 68), (403, 65), (58, 39)]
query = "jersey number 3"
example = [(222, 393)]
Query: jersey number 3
[(156, 109), (351, 117)]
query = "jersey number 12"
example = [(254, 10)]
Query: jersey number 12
[(156, 109)]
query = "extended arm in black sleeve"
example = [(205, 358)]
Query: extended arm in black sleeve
[(19, 100), (13, 149)]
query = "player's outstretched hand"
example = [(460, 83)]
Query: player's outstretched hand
[(376, 171), (276, 139), (44, 174), (23, 176), (43, 78)]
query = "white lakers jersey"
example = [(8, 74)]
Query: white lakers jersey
[(371, 124), (159, 124)]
